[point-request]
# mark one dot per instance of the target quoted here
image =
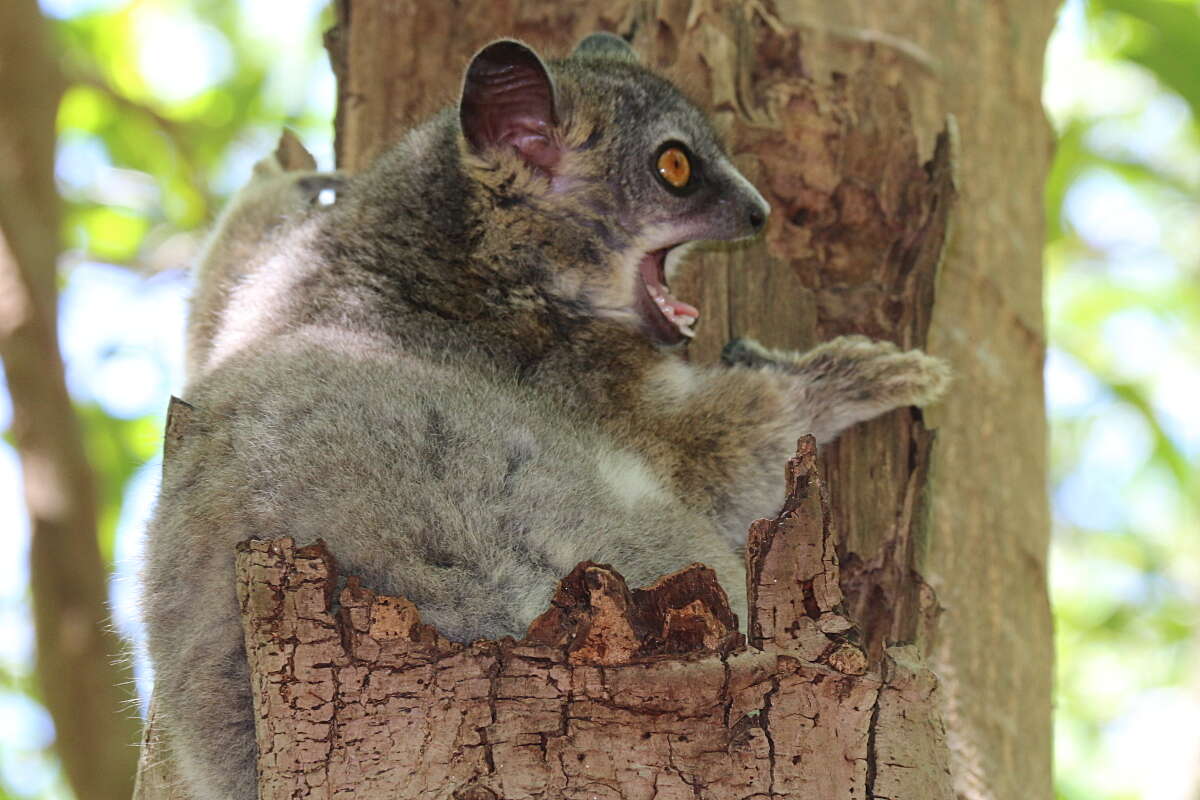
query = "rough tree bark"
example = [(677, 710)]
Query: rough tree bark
[(864, 124), (85, 681)]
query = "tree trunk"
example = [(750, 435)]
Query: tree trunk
[(903, 148), (858, 122), (85, 681)]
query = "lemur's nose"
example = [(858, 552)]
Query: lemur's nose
[(757, 219)]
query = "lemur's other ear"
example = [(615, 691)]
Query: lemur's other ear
[(605, 45), (508, 100)]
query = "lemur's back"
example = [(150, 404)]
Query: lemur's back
[(431, 481)]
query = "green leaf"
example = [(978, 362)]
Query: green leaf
[(1165, 38), (106, 232)]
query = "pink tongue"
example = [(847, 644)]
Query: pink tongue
[(682, 309)]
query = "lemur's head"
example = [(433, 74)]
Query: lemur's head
[(607, 165)]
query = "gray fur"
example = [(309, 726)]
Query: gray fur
[(446, 377), (604, 45)]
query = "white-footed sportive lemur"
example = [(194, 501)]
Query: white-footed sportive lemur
[(465, 376)]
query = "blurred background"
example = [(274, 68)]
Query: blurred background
[(169, 104)]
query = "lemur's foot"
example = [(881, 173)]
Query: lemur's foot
[(911, 378), (854, 369)]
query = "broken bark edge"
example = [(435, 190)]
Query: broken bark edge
[(594, 617), (609, 686)]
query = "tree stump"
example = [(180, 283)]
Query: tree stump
[(613, 693)]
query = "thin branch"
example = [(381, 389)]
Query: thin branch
[(77, 653), (177, 133)]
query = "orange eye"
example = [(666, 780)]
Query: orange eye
[(674, 168)]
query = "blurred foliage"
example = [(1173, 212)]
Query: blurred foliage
[(117, 448), (1123, 380), (161, 95), (170, 102)]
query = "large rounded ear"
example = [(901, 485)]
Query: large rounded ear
[(508, 99), (605, 45)]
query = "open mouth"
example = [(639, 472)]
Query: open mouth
[(667, 320)]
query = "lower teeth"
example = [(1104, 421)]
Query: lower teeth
[(683, 323)]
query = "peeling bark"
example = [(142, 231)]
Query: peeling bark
[(156, 776)]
